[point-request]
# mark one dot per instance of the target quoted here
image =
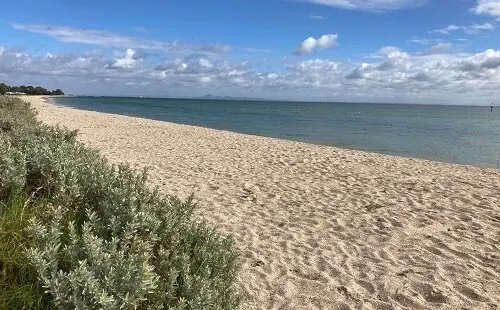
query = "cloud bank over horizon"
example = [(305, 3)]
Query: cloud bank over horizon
[(393, 72), (455, 62)]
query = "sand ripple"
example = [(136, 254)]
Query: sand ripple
[(321, 227)]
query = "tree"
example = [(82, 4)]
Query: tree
[(40, 91), (57, 92), (29, 90), (4, 88)]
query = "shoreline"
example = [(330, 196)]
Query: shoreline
[(321, 227), (387, 152)]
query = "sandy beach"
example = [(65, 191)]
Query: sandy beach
[(321, 227)]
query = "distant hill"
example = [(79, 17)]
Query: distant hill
[(212, 97)]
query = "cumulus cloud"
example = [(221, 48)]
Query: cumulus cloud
[(487, 7), (482, 63), (196, 66), (451, 74), (111, 39), (469, 29), (439, 48), (315, 65), (387, 51), (394, 72), (371, 5), (205, 64), (311, 44), (128, 61), (398, 73)]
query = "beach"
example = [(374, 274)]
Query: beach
[(320, 227)]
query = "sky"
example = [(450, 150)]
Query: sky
[(404, 51)]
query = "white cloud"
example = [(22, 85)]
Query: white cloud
[(487, 7), (110, 39), (319, 17), (394, 73), (388, 50), (432, 73), (477, 27), (469, 29), (439, 48), (205, 64), (370, 5), (272, 76), (129, 60), (315, 65), (424, 41), (311, 44), (194, 69), (205, 79), (447, 29)]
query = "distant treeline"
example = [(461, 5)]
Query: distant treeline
[(28, 90)]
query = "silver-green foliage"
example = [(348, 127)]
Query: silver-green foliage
[(12, 168), (109, 241), (107, 274)]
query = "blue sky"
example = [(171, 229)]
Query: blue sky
[(417, 51)]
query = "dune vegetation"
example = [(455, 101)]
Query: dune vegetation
[(78, 232)]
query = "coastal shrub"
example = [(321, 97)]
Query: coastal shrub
[(99, 236), (12, 169), (17, 119), (19, 284)]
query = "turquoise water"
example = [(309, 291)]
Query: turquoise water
[(457, 134)]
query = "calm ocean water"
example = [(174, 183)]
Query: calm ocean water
[(458, 134)]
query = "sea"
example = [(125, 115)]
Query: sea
[(447, 133)]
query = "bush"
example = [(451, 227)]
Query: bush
[(19, 285), (103, 238), (12, 169)]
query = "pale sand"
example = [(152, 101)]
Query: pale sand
[(322, 227)]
